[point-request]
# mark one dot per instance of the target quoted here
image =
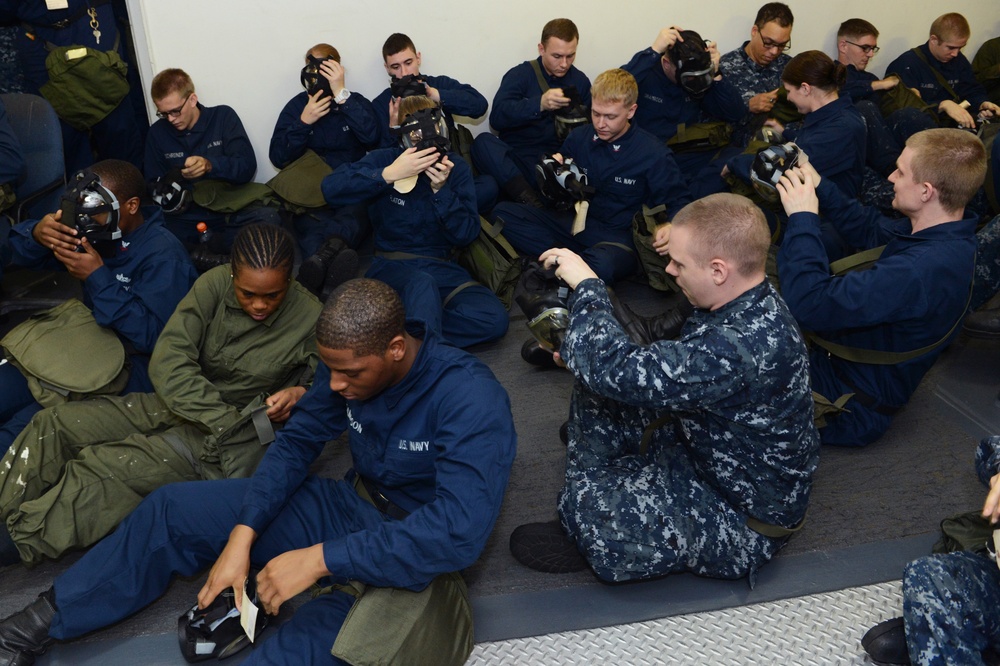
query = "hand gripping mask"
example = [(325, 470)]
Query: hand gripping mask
[(407, 86), (768, 167), (542, 297), (214, 632), (312, 78), (562, 184), (693, 63), (92, 210), (169, 194), (572, 115), (425, 128)]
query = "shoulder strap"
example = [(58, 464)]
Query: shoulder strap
[(542, 83), (940, 79), (856, 261)]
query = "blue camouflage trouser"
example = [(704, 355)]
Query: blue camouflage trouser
[(951, 606), (987, 276), (635, 516)]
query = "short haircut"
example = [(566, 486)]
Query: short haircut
[(952, 160), (170, 81), (560, 28), (323, 51), (396, 43), (615, 85), (856, 27), (777, 12), (950, 26), (815, 68), (122, 178), (263, 246), (728, 226), (412, 104), (362, 315)]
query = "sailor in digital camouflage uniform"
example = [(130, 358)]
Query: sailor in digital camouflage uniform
[(951, 601), (736, 441)]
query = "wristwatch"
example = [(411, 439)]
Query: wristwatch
[(342, 96)]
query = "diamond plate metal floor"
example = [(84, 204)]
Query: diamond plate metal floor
[(820, 629)]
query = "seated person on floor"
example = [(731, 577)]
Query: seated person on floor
[(626, 165), (537, 104), (695, 454), (133, 273), (754, 69), (857, 44), (401, 59), (432, 440), (11, 165), (951, 601), (942, 74), (204, 152), (986, 67), (339, 126), (242, 339), (423, 205), (680, 89), (876, 332)]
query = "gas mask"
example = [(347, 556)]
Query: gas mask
[(542, 297), (407, 86), (768, 167), (82, 203), (425, 128), (215, 632), (572, 115), (562, 184), (312, 78), (693, 64), (169, 193)]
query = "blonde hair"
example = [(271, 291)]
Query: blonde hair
[(615, 85)]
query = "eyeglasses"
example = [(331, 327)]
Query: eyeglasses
[(867, 48), (173, 113), (768, 44)]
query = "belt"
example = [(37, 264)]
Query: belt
[(369, 492)]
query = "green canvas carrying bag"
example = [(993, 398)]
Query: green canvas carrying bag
[(697, 137), (300, 183), (644, 224), (222, 197), (492, 261), (901, 97), (85, 84), (388, 626), (66, 355)]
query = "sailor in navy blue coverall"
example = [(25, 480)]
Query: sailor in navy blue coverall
[(216, 135), (431, 433), (523, 115), (628, 167), (133, 293), (911, 298), (425, 225), (338, 131), (454, 98), (663, 104)]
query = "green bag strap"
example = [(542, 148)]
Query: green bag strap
[(620, 246), (494, 230), (856, 261), (940, 79), (398, 256), (875, 357), (774, 531), (542, 83), (647, 433), (455, 291)]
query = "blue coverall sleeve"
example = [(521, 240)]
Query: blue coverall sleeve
[(667, 186), (139, 314), (723, 101), (362, 120), (861, 226), (27, 252), (153, 164), (291, 136), (355, 182), (459, 98), (518, 101), (888, 291), (475, 444), (642, 62), (317, 418), (677, 374), (455, 205), (238, 162)]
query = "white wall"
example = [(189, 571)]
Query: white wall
[(248, 53)]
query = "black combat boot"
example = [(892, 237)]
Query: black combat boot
[(25, 634), (333, 262), (885, 643), (520, 191)]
